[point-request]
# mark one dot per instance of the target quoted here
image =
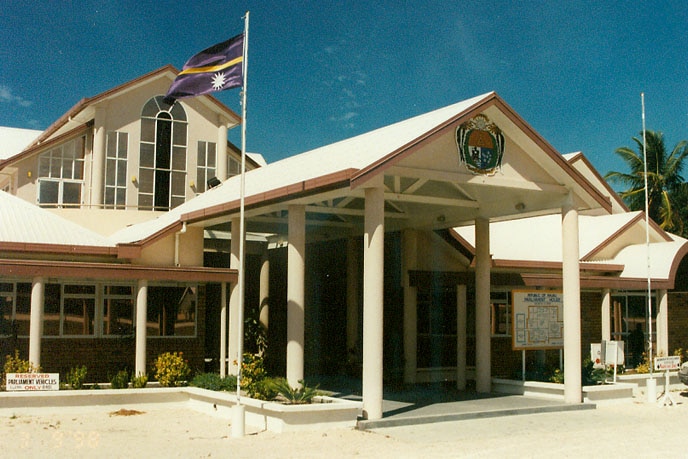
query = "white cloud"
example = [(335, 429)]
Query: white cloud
[(6, 96)]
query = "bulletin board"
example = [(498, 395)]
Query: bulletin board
[(538, 319)]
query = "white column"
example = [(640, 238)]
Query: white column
[(235, 327), (373, 301), (264, 292), (461, 317), (36, 324), (352, 299), (296, 267), (571, 291), (409, 262), (98, 164), (141, 332), (606, 315), (662, 323), (221, 160), (483, 329), (223, 329)]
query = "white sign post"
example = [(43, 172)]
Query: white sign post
[(667, 364)]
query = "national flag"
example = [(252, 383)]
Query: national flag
[(214, 69)]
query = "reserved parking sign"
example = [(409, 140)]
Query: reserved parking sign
[(32, 381)]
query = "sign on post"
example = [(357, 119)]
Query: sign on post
[(32, 381), (668, 363)]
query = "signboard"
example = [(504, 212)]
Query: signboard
[(538, 319), (668, 363), (32, 381), (611, 348)]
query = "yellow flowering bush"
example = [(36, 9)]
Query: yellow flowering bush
[(171, 370)]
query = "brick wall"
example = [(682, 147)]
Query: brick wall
[(678, 321), (104, 357)]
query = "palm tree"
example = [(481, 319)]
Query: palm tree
[(664, 180)]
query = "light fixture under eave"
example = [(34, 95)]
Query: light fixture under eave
[(520, 206)]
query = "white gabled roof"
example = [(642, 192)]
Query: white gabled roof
[(539, 239), (353, 153), (14, 140), (25, 223)]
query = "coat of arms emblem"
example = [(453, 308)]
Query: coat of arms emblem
[(481, 145)]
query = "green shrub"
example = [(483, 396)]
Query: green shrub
[(171, 370), (120, 380), (75, 377), (140, 381), (17, 365), (213, 381), (294, 396)]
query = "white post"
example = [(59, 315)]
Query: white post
[(296, 262), (662, 322), (98, 159), (223, 330), (606, 315), (141, 332), (36, 323), (264, 293), (221, 157), (573, 389), (483, 356), (373, 302), (234, 305)]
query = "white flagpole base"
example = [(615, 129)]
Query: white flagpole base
[(238, 421), (651, 389)]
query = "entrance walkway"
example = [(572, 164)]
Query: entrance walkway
[(424, 404)]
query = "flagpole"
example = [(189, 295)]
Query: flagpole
[(238, 420), (650, 392)]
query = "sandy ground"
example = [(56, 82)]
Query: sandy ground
[(626, 430)]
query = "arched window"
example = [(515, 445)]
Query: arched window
[(162, 159)]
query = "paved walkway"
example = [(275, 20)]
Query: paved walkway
[(438, 403)]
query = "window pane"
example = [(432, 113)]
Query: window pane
[(122, 145), (109, 195), (211, 154), (79, 316), (179, 133), (178, 112), (150, 109), (147, 130), (56, 164), (6, 306), (147, 155), (110, 170), (118, 316), (121, 197), (179, 159), (44, 165), (146, 180), (48, 192), (72, 193), (200, 157), (51, 315), (111, 151), (121, 173), (178, 179), (23, 308)]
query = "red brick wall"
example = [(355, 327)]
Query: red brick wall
[(104, 357), (678, 321)]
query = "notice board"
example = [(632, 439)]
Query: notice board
[(538, 319)]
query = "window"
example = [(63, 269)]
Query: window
[(233, 166), (501, 323), (15, 308), (61, 174), (205, 165), (118, 310), (171, 311), (116, 170), (629, 319), (162, 161), (436, 327)]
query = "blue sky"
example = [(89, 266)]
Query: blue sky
[(323, 71)]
